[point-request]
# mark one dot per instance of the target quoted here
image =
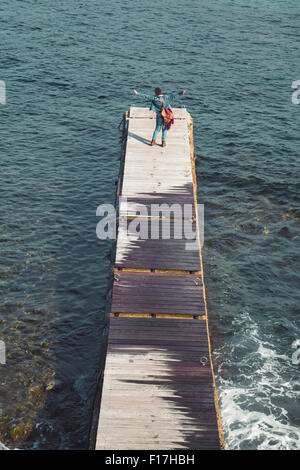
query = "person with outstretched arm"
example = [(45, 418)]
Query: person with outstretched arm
[(156, 105)]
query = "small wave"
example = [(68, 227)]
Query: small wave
[(3, 447), (246, 429), (258, 394)]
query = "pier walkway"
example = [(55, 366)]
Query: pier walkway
[(158, 388)]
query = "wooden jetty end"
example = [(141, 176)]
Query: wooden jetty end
[(158, 389)]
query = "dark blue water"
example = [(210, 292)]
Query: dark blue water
[(70, 68)]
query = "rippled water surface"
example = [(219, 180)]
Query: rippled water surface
[(70, 68)]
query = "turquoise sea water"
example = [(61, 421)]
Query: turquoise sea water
[(70, 68)]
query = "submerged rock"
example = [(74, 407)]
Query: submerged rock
[(21, 431), (285, 232)]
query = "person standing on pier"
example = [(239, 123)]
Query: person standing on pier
[(157, 102)]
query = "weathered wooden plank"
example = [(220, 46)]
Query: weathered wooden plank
[(158, 324), (139, 141), (157, 154), (179, 127), (157, 243), (144, 112), (160, 187), (145, 293), (164, 177), (145, 206)]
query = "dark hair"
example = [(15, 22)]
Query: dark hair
[(158, 91)]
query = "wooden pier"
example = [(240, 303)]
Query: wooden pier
[(158, 388)]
